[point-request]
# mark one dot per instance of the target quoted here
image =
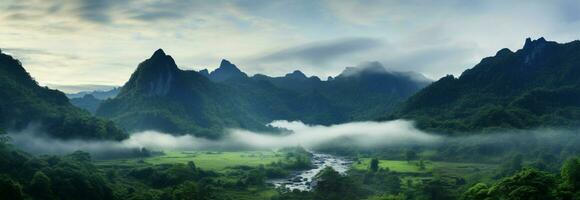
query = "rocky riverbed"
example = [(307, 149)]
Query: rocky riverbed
[(302, 180)]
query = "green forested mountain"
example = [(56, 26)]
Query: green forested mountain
[(536, 86), (161, 96), (87, 102), (90, 100), (338, 100), (24, 103)]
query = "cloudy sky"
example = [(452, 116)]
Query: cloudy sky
[(100, 42)]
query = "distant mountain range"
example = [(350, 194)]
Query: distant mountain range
[(98, 94), (536, 86), (23, 103), (161, 96), (90, 100)]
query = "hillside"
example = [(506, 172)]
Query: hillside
[(536, 86), (24, 103), (161, 96)]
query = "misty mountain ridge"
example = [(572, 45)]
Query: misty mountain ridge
[(161, 96), (98, 94), (90, 100), (536, 86)]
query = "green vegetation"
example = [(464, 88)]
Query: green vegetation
[(87, 102), (533, 87), (75, 176), (215, 161), (160, 96), (530, 183), (397, 165), (530, 88), (24, 103)]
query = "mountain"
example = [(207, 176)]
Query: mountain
[(88, 102), (23, 102), (160, 96), (98, 94), (536, 86), (295, 81), (224, 72)]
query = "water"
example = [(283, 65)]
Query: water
[(302, 180)]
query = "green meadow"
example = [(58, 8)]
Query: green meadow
[(413, 167), (207, 160)]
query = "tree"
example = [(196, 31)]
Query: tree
[(186, 191), (374, 165), (421, 165), (435, 189), (529, 184), (9, 189), (192, 166), (40, 186), (330, 185), (570, 174), (478, 191)]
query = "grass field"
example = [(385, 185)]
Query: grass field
[(206, 160), (447, 168)]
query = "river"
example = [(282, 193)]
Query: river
[(302, 180)]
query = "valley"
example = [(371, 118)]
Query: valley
[(504, 129)]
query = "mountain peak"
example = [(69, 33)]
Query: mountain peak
[(364, 68), (159, 53), (204, 72), (504, 51), (226, 64), (534, 43), (297, 74), (225, 71), (154, 76)]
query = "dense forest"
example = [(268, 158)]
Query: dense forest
[(23, 103), (536, 86)]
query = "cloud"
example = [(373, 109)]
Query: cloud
[(96, 10), (321, 52), (361, 134), (29, 53)]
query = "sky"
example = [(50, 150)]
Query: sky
[(85, 44)]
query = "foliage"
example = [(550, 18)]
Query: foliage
[(530, 88), (23, 103), (531, 183), (40, 186), (374, 165), (9, 189), (160, 96), (333, 186)]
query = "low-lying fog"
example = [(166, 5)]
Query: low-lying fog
[(361, 134)]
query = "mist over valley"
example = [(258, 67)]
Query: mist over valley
[(289, 100)]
